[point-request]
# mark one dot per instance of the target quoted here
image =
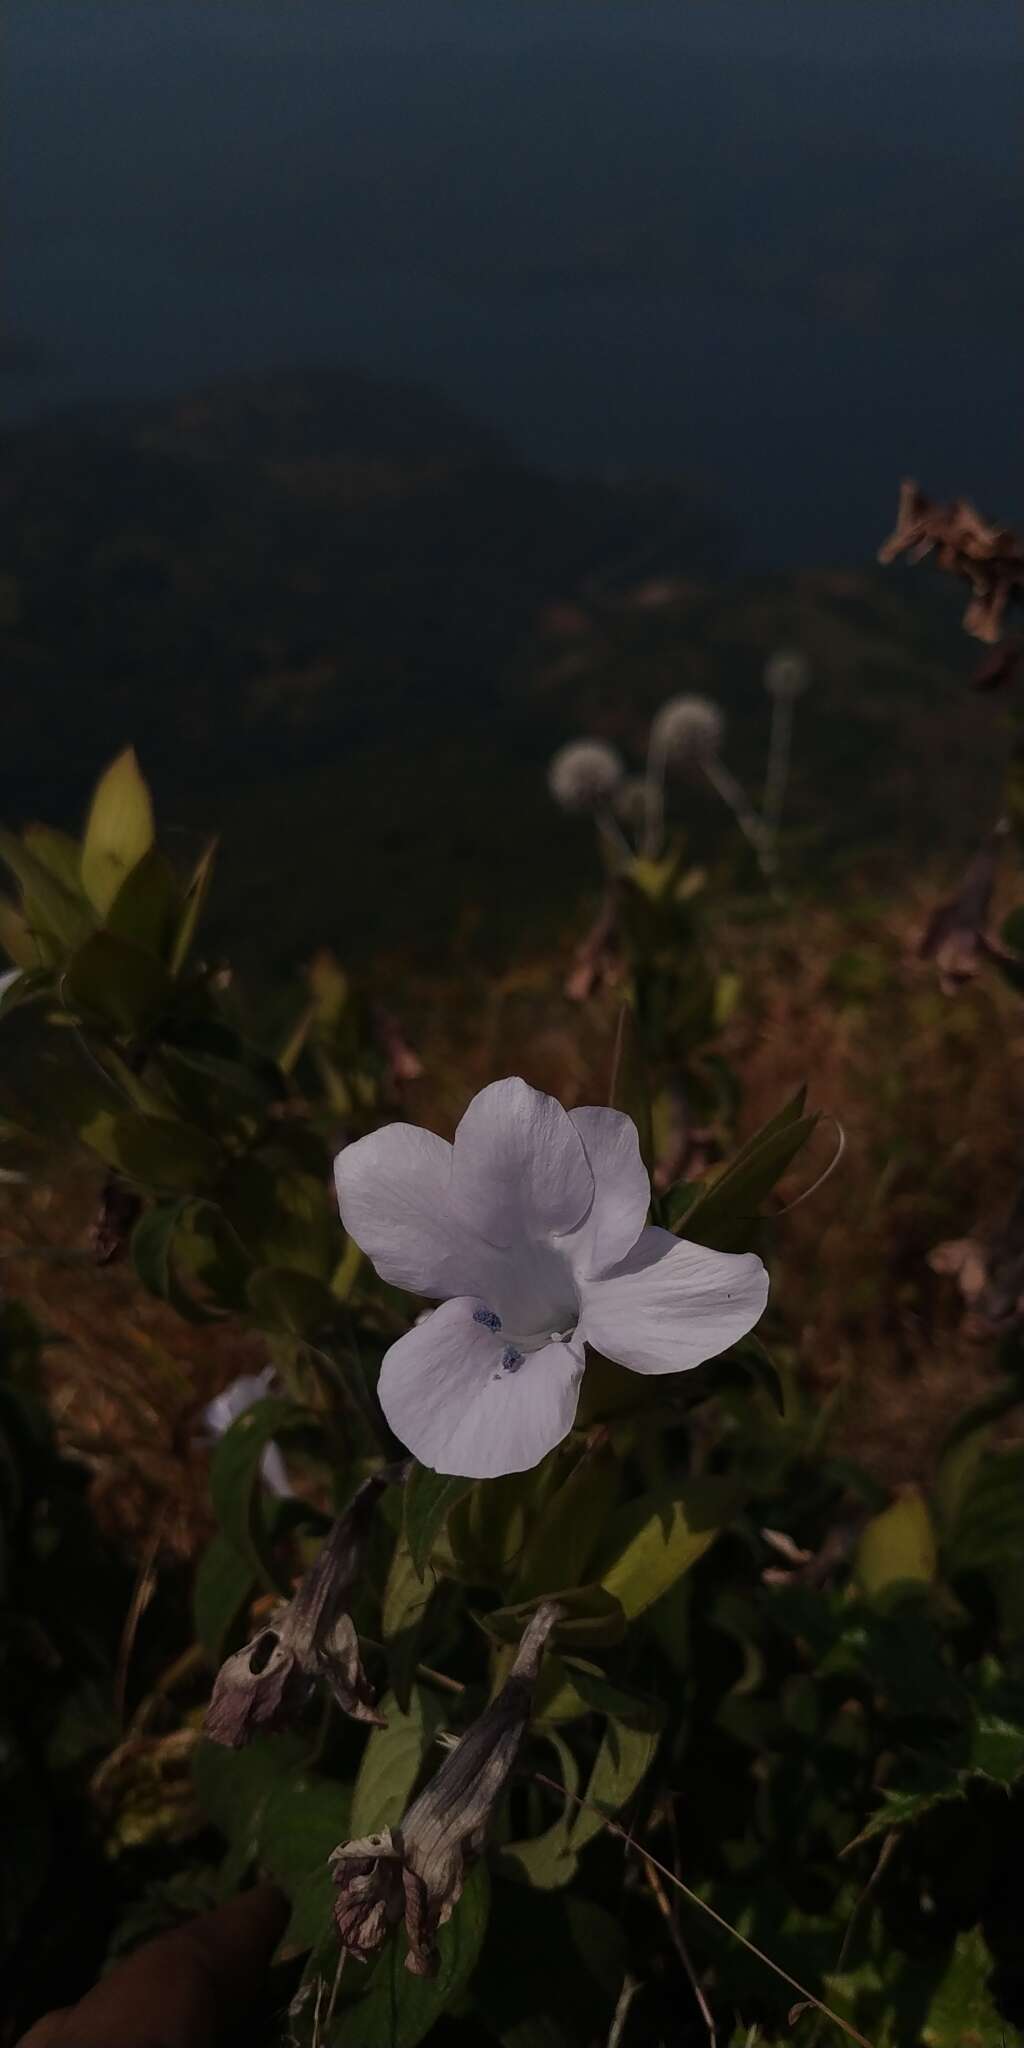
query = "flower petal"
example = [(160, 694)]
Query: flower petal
[(468, 1402), (622, 1191), (519, 1165), (672, 1304), (395, 1201)]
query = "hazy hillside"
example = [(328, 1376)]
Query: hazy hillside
[(335, 613)]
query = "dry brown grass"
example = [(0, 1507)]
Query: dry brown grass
[(126, 1377)]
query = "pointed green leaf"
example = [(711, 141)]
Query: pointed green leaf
[(653, 1541), (111, 980), (722, 1216), (58, 920), (897, 1547), (392, 1761), (148, 906), (16, 938), (548, 1861), (628, 1748), (119, 830), (156, 1151), (303, 1818), (565, 1537), (428, 1500), (195, 898), (235, 1484), (58, 852), (224, 1585)]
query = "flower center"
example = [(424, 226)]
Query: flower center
[(520, 1342)]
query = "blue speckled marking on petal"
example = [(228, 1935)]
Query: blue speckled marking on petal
[(487, 1317), (511, 1359)]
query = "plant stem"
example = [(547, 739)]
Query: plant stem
[(777, 771), (726, 786)]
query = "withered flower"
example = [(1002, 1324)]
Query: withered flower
[(989, 1273), (267, 1684), (989, 558), (417, 1869), (955, 936)]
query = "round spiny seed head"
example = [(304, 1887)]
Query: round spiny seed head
[(584, 775), (788, 673), (687, 729)]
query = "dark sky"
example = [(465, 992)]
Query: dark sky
[(772, 245)]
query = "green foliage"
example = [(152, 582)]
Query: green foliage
[(804, 1697)]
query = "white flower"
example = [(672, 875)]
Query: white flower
[(584, 774), (687, 729), (531, 1230), (225, 1408), (787, 673)]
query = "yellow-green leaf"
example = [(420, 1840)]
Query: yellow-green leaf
[(897, 1547), (119, 830), (654, 1540)]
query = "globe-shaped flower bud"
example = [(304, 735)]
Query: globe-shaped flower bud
[(687, 729), (584, 775), (787, 673)]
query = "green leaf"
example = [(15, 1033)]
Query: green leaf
[(152, 1244), (233, 1785), (153, 1249), (147, 908), (653, 1541), (58, 852), (406, 1599), (593, 1617), (428, 1500), (119, 830), (304, 1817), (627, 1751), (195, 898), (997, 1747), (566, 1535), (897, 1547), (158, 1152), (51, 911), (548, 1861), (961, 2012), (16, 938), (295, 1303), (392, 1760), (224, 1585), (989, 1526), (722, 1216), (903, 1809), (235, 1488), (111, 979)]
